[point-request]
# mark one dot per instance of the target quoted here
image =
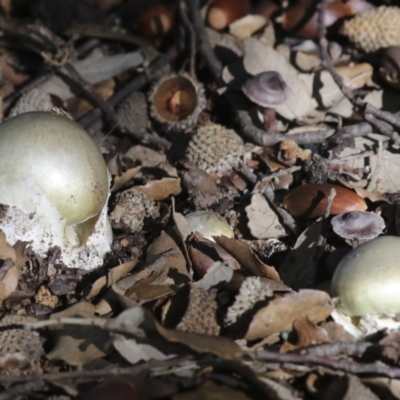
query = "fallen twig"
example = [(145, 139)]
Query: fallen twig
[(108, 109)]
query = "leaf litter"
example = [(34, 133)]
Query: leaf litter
[(171, 314)]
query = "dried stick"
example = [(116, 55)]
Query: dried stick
[(351, 367), (192, 35), (136, 84), (287, 219), (204, 45), (138, 134), (115, 371)]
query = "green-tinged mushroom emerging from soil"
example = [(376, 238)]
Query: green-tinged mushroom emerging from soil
[(54, 188)]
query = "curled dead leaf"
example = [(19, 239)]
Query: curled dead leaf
[(280, 314)]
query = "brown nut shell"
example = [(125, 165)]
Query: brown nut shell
[(222, 13), (310, 201), (154, 19)]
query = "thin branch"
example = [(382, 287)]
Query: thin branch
[(136, 84), (351, 367), (192, 36), (204, 45), (114, 371), (109, 111)]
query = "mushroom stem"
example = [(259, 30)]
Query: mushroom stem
[(270, 123)]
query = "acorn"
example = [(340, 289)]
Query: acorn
[(176, 102), (374, 29), (222, 13), (310, 201), (152, 19), (301, 19)]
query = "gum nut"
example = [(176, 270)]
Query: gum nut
[(367, 280)]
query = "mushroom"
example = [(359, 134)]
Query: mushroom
[(367, 286), (358, 226), (208, 224), (367, 280), (54, 188), (267, 90)]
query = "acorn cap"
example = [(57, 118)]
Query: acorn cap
[(215, 149), (267, 89), (176, 102), (374, 29)]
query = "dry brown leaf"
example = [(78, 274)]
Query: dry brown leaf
[(146, 290), (246, 26), (246, 257), (174, 258), (113, 275), (308, 334), (280, 313), (95, 68), (10, 271), (122, 179), (79, 106), (6, 250), (161, 189), (78, 345), (222, 347), (219, 272), (134, 352), (212, 391), (263, 221), (9, 277), (354, 76), (300, 266)]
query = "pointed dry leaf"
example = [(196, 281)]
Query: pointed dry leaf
[(219, 272), (124, 178), (161, 189), (9, 277), (308, 334), (134, 352), (246, 26), (113, 276), (78, 345), (212, 391), (260, 58), (167, 242), (247, 258), (222, 347), (280, 314), (95, 68), (299, 268), (354, 77), (6, 250), (263, 221)]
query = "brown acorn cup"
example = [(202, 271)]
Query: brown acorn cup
[(176, 101)]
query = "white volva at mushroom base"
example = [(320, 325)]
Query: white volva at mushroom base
[(54, 188)]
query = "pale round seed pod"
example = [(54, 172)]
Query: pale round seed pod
[(367, 280), (56, 185), (208, 224)]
